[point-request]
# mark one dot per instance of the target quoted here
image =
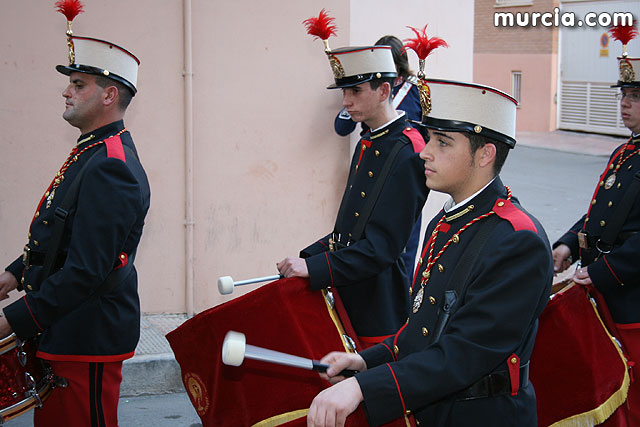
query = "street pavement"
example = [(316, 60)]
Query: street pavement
[(552, 174), (555, 187), (161, 410)]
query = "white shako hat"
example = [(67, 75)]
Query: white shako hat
[(94, 56), (473, 108), (355, 65)]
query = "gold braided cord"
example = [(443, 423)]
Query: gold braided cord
[(72, 54)]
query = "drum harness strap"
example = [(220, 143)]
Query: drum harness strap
[(61, 214), (368, 208), (495, 383)]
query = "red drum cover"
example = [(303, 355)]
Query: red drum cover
[(579, 373), (285, 316)]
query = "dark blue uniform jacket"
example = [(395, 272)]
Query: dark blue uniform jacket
[(369, 273), (507, 288), (615, 274), (410, 104), (102, 233)]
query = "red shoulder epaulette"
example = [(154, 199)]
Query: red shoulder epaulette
[(518, 219), (415, 137), (115, 148)]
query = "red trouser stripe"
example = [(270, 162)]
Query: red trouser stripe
[(89, 400), (95, 394)]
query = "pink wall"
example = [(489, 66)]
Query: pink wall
[(537, 111), (268, 169)]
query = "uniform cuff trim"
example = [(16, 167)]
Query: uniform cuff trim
[(388, 348), (611, 269), (329, 266), (404, 408), (31, 313)]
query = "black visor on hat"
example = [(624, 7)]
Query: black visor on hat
[(68, 69)]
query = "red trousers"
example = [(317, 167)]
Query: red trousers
[(89, 400)]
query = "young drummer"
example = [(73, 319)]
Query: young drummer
[(484, 277)]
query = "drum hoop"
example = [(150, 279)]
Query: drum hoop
[(286, 417), (280, 419), (8, 343), (337, 323), (28, 403)]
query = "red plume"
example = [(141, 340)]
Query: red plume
[(624, 33), (69, 8), (321, 27), (422, 44)]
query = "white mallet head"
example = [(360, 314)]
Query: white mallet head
[(225, 285), (233, 348)]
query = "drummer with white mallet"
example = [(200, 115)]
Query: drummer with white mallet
[(383, 198), (606, 239), (77, 269), (484, 277)]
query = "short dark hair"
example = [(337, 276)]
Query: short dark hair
[(124, 93), (376, 83), (478, 141), (400, 58)]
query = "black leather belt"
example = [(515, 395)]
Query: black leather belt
[(590, 241), (32, 258), (494, 384)]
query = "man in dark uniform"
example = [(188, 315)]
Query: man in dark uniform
[(405, 97), (84, 306), (484, 277), (382, 201), (606, 238)]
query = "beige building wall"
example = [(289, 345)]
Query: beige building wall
[(537, 109), (532, 50), (267, 169)]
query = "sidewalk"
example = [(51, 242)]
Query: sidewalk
[(572, 142), (153, 369)]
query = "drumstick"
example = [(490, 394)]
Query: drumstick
[(226, 283), (235, 349)]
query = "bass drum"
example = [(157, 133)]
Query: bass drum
[(284, 316), (578, 368), (25, 381)]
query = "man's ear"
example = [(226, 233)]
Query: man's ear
[(385, 91), (110, 95), (486, 154)]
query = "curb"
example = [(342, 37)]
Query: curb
[(153, 369), (151, 374)]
